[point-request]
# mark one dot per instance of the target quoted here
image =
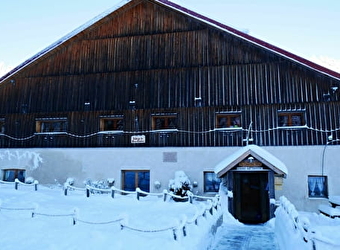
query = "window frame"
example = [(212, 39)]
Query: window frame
[(166, 118), (16, 174), (290, 122), (39, 124), (136, 180), (229, 116), (2, 126), (213, 190), (116, 128), (325, 187)]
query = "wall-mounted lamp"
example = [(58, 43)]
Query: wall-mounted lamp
[(198, 101)]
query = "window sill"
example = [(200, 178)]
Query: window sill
[(50, 133), (293, 127), (318, 198), (230, 129), (111, 132), (164, 131)]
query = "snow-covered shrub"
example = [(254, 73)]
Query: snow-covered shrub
[(69, 181), (29, 180), (180, 185), (110, 181), (101, 184)]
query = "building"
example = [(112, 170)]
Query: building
[(150, 88)]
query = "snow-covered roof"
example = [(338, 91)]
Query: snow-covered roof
[(193, 14), (257, 152)]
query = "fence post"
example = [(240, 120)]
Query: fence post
[(137, 192), (165, 192), (112, 192), (174, 233), (65, 191), (16, 184), (36, 185), (87, 192), (184, 232)]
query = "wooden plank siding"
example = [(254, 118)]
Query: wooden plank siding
[(162, 60)]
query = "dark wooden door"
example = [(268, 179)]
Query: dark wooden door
[(251, 199)]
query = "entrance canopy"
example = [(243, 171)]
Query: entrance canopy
[(257, 152)]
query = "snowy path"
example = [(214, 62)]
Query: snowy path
[(242, 237)]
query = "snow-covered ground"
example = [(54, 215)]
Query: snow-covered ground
[(96, 225), (147, 223)]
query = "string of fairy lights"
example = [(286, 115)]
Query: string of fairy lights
[(164, 131)]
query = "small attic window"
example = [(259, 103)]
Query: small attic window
[(51, 125), (291, 119)]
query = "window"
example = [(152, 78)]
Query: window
[(136, 178), (12, 174), (211, 182), (164, 122), (228, 121), (2, 126), (291, 119), (51, 125), (111, 124), (317, 186)]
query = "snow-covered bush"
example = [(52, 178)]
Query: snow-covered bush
[(69, 181), (111, 182), (100, 184), (180, 185), (29, 180)]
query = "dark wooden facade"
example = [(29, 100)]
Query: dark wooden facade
[(149, 59)]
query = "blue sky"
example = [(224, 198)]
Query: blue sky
[(305, 27)]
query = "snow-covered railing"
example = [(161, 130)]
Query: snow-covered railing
[(138, 192), (296, 229), (17, 183), (184, 222), (178, 229)]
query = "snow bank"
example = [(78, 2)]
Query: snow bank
[(302, 230), (99, 219)]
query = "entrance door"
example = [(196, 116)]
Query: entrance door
[(251, 199)]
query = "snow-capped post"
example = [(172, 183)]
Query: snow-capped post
[(191, 197), (36, 185), (75, 215), (138, 192), (16, 183), (87, 191), (182, 225), (174, 233), (65, 189), (113, 192), (165, 192)]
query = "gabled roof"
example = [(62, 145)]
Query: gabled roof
[(257, 152), (192, 14)]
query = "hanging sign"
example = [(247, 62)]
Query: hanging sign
[(137, 139)]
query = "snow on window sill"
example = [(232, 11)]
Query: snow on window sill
[(293, 127), (164, 130), (111, 132), (50, 133), (230, 128)]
